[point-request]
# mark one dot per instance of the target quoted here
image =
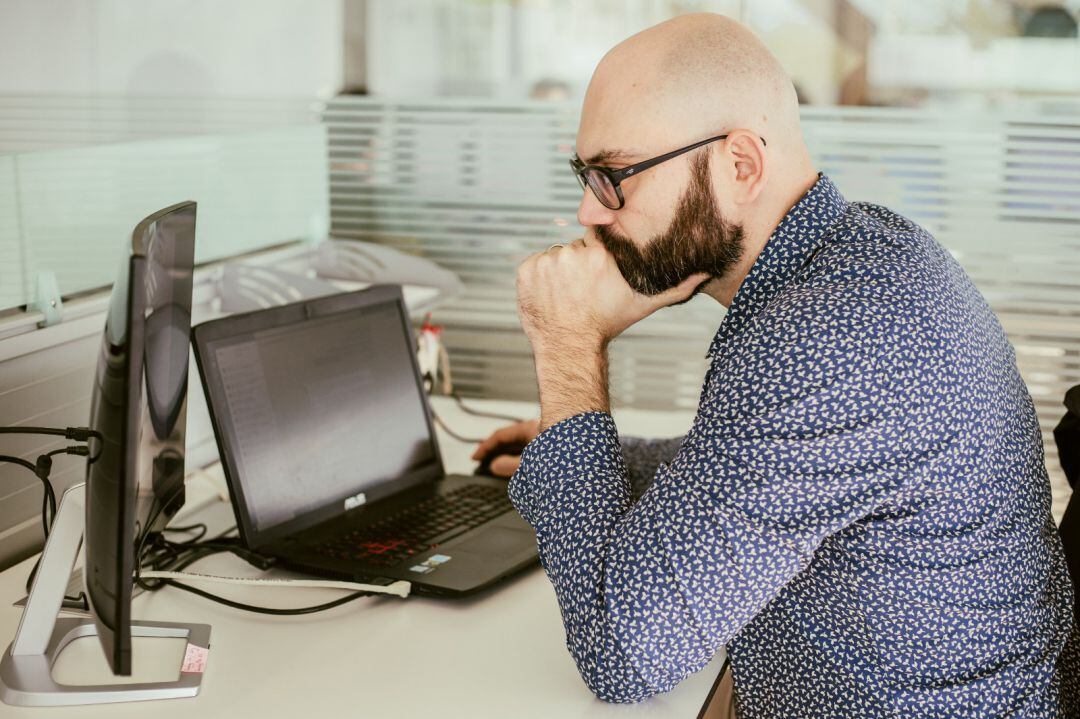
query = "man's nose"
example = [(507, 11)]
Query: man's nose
[(590, 212)]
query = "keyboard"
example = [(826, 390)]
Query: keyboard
[(420, 527)]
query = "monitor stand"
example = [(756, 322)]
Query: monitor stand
[(26, 666)]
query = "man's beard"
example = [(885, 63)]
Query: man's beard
[(697, 240)]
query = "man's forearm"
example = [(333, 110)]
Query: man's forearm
[(572, 380)]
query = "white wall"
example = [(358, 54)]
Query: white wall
[(206, 48)]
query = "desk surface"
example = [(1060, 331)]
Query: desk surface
[(498, 654)]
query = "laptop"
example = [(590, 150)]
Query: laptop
[(328, 446)]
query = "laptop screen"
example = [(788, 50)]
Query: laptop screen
[(318, 410)]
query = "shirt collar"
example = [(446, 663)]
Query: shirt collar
[(799, 235)]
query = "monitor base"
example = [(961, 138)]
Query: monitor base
[(26, 680), (26, 666)]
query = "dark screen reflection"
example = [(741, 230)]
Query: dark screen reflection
[(169, 253)]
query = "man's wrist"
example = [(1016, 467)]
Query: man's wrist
[(572, 379)]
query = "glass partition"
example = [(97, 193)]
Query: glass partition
[(12, 289), (71, 211)]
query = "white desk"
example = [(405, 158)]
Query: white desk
[(499, 654)]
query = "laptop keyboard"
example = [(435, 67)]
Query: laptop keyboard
[(420, 527)]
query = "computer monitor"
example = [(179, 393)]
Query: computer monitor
[(139, 406)]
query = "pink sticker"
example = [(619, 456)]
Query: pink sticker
[(194, 659)]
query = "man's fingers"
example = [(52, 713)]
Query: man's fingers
[(504, 435), (520, 433), (505, 465)]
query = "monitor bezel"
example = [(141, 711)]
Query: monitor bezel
[(205, 334), (113, 623)]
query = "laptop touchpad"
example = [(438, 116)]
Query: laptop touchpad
[(499, 542)]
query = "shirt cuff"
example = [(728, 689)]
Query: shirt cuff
[(583, 446)]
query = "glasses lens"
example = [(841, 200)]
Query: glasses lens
[(603, 189)]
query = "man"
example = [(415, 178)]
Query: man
[(860, 511)]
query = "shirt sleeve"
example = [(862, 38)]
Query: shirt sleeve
[(642, 458), (650, 591)]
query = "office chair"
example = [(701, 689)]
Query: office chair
[(1067, 438)]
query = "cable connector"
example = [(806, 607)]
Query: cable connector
[(43, 467), (81, 434), (78, 450), (259, 561)]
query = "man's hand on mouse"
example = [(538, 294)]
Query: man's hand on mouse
[(519, 433)]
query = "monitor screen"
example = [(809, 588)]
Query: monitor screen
[(144, 345), (318, 410)]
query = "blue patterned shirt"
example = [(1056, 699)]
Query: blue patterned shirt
[(860, 511)]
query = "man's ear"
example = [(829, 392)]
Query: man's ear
[(746, 155)]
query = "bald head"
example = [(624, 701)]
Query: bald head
[(710, 209), (689, 78)]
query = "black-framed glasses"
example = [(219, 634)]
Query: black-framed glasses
[(604, 181)]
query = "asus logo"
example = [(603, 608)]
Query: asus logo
[(355, 501)]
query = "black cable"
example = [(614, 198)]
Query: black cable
[(34, 430), (168, 555), (144, 534), (476, 413), (48, 498), (44, 469), (452, 433), (41, 469), (78, 434), (44, 515), (69, 450), (18, 460), (481, 413), (163, 553), (187, 528), (200, 528), (204, 549), (268, 610)]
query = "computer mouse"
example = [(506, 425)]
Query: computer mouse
[(513, 449)]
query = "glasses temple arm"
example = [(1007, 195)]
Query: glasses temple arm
[(620, 175)]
